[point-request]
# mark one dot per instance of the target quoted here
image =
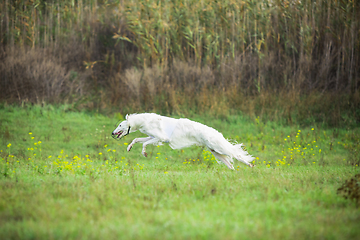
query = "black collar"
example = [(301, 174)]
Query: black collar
[(128, 130)]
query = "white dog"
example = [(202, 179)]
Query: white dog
[(180, 133)]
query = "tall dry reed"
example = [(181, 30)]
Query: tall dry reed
[(171, 55)]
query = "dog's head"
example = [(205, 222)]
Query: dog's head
[(122, 130)]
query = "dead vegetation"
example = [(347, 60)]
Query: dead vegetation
[(291, 61), (351, 189)]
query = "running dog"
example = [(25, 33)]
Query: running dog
[(180, 133)]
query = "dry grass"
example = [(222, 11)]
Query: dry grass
[(33, 75), (284, 60)]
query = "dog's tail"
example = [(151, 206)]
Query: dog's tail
[(242, 155)]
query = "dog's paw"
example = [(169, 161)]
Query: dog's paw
[(252, 165), (145, 154), (129, 148)]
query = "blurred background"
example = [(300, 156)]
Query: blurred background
[(295, 62)]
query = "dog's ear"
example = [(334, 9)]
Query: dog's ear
[(126, 117)]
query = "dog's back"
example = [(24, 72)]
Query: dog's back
[(188, 133), (154, 125)]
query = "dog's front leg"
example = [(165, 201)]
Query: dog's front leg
[(136, 140), (151, 141)]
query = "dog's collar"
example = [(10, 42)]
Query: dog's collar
[(128, 131)]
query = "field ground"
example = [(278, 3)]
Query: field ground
[(63, 177)]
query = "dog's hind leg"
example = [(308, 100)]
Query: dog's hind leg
[(222, 158), (137, 140), (243, 161)]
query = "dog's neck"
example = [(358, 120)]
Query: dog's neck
[(134, 122), (137, 121)]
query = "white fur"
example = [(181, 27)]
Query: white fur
[(181, 133)]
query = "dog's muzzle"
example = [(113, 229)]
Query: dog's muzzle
[(118, 135)]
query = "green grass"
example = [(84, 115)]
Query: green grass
[(78, 193)]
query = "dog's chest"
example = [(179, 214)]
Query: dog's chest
[(159, 127), (169, 125)]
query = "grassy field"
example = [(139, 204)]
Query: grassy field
[(63, 177)]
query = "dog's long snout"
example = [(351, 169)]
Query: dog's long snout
[(113, 135)]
